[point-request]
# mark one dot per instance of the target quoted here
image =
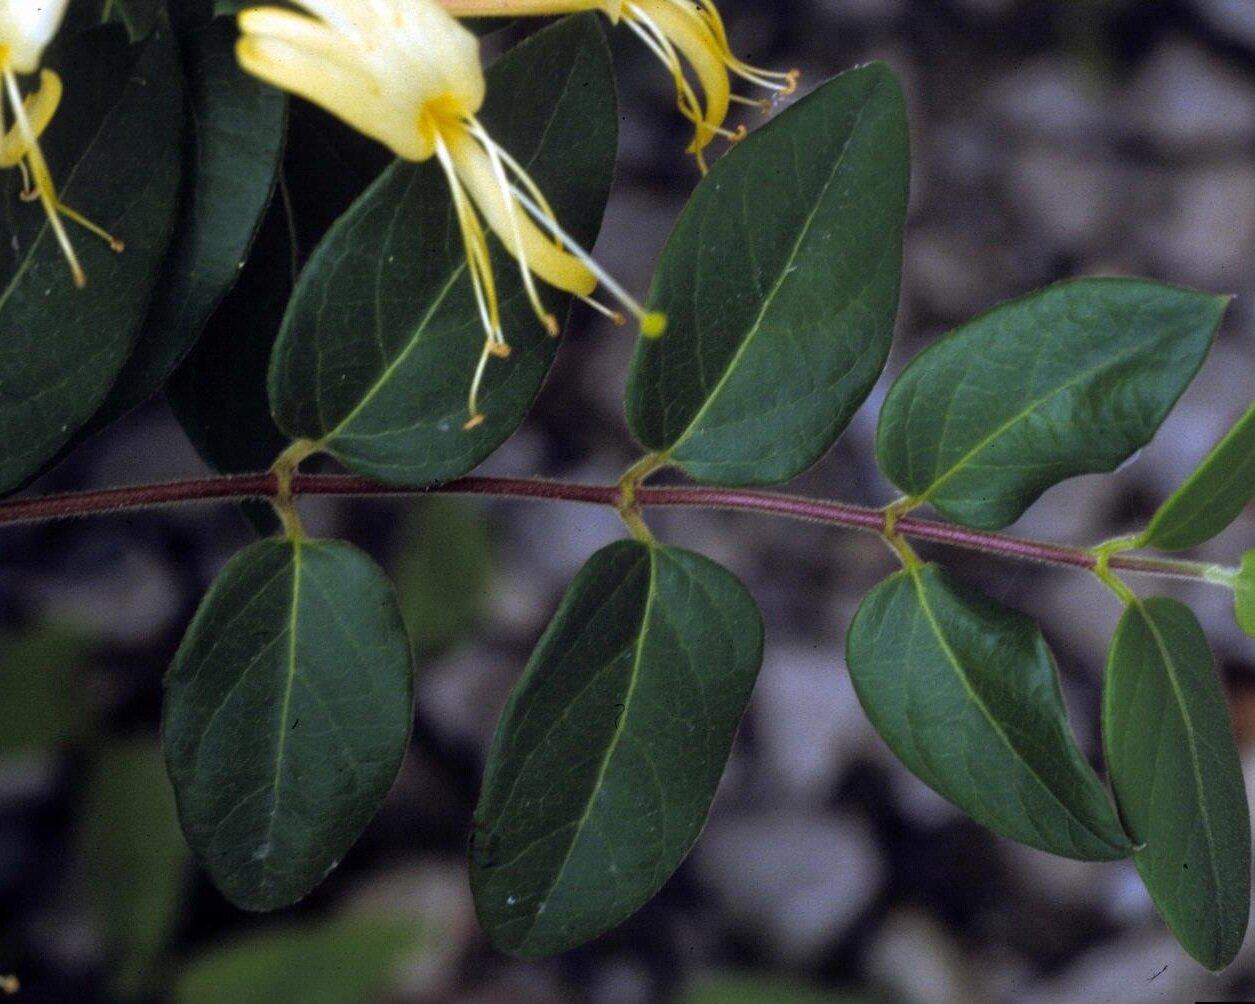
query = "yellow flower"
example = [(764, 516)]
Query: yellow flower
[(405, 73), (672, 29), (26, 28)]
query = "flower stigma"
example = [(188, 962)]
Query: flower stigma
[(676, 32), (405, 73), (26, 28)]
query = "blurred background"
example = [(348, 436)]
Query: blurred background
[(1051, 139)]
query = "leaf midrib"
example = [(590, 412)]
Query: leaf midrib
[(957, 467), (266, 847), (612, 746), (768, 302), (1178, 694), (935, 626)]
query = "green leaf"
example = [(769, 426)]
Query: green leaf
[(287, 714), (230, 161), (138, 17), (765, 990), (135, 860), (1069, 380), (1212, 497), (1177, 777), (114, 150), (780, 284), (443, 572), (1244, 594), (965, 692), (343, 961), (44, 704), (382, 337), (611, 746)]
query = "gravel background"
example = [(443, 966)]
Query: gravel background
[(1051, 139)]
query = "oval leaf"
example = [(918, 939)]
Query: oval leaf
[(287, 714), (965, 692), (382, 336), (780, 284), (1177, 777), (114, 150), (231, 158), (1212, 497), (611, 746), (1069, 380), (340, 961)]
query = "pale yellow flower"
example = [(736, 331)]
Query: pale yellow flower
[(405, 73), (672, 29), (26, 28)]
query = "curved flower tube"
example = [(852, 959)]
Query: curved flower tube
[(671, 29), (26, 28), (405, 73)]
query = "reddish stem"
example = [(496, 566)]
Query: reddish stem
[(239, 487)]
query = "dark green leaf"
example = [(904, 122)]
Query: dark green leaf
[(965, 693), (1212, 497), (1244, 594), (44, 704), (231, 155), (135, 861), (287, 714), (443, 572), (1177, 777), (114, 150), (138, 17), (765, 990), (1069, 380), (611, 747), (344, 961), (383, 336), (218, 393), (780, 285)]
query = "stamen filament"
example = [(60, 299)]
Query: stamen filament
[(494, 158), (43, 177), (652, 322)]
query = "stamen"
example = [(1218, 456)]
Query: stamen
[(43, 178), (694, 29), (476, 246), (520, 252), (615, 315), (653, 323)]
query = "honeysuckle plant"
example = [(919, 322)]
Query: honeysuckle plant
[(288, 707)]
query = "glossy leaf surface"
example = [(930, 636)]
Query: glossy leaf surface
[(342, 961), (287, 714), (1069, 380), (610, 749), (383, 336), (1212, 497), (235, 134), (114, 151), (1177, 777), (965, 692), (780, 285)]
